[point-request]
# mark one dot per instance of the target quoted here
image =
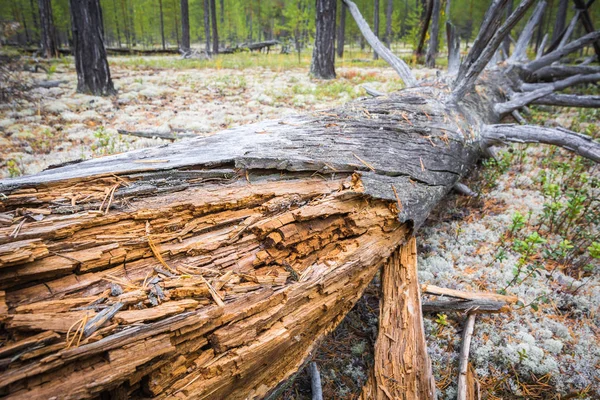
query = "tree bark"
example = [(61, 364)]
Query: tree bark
[(433, 37), (48, 34), (185, 26), (213, 22), (323, 57), (93, 74), (341, 36)]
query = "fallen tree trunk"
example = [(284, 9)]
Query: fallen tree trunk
[(210, 268)]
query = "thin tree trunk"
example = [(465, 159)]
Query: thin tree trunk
[(433, 37), (185, 26), (93, 74), (375, 24), (213, 22), (162, 24), (561, 20), (341, 37), (34, 18), (388, 22), (207, 25), (49, 49), (424, 28), (116, 19), (176, 24), (323, 57)]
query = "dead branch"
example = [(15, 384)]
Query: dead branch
[(554, 72), (464, 357), (465, 306), (172, 135), (521, 99), (557, 54), (396, 63), (315, 382), (520, 51), (569, 100), (458, 294), (580, 144), (464, 84)]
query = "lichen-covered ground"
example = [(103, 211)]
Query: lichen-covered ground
[(530, 232)]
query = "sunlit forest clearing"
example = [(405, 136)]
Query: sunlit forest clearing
[(197, 218)]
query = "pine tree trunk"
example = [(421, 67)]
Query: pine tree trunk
[(323, 57), (93, 74), (48, 34), (207, 25), (341, 36), (388, 22), (185, 26), (375, 24), (213, 22), (428, 11), (432, 49)]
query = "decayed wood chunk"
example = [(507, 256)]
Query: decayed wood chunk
[(402, 368), (288, 259)]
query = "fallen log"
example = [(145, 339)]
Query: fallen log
[(209, 268)]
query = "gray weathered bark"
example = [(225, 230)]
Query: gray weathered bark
[(93, 74), (341, 35), (48, 42), (185, 26), (323, 57)]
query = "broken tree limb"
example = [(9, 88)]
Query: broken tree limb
[(465, 83), (570, 28), (582, 145), (541, 90), (464, 357), (166, 135), (569, 100), (556, 55), (465, 306), (402, 369), (372, 92), (315, 382), (554, 72), (520, 50), (463, 189), (397, 64), (459, 294)]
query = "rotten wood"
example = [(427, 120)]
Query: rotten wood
[(402, 369)]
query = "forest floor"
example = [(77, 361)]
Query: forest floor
[(547, 347)]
